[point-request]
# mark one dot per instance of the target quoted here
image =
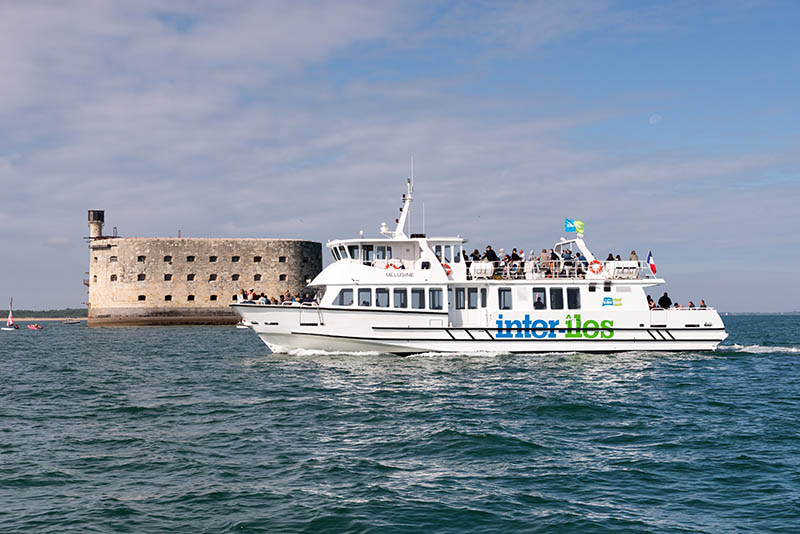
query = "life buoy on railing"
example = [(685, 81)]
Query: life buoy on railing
[(447, 269), (597, 264), (514, 267), (391, 264)]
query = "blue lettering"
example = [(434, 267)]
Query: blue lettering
[(515, 325), (540, 327), (553, 325), (500, 332), (527, 325)]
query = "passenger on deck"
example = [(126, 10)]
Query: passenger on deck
[(538, 305), (665, 302), (514, 255), (634, 256), (251, 295), (262, 299), (690, 305), (702, 304), (544, 258), (677, 306), (489, 255), (618, 258), (610, 257), (307, 298), (650, 303)]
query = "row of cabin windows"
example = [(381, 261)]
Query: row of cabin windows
[(211, 259), (368, 253), (399, 296), (189, 298), (540, 298), (212, 277), (448, 253)]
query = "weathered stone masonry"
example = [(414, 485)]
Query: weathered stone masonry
[(157, 281)]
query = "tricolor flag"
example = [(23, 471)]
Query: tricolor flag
[(650, 261)]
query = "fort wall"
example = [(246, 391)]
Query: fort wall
[(157, 281)]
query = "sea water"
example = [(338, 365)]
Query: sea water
[(201, 429)]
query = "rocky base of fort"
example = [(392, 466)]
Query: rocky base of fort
[(162, 317)]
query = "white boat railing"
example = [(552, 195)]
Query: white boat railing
[(575, 269)]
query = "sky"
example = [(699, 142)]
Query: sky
[(664, 126)]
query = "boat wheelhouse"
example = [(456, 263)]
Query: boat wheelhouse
[(408, 294)]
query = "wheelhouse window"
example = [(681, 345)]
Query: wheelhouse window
[(435, 299), (457, 253), (573, 298), (461, 298), (344, 298), (472, 298), (382, 297), (447, 253), (400, 298), (383, 253), (418, 298), (364, 296), (335, 254), (368, 254), (556, 298), (438, 251), (539, 298), (342, 252), (504, 298), (353, 251)]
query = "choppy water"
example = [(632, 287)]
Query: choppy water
[(202, 430)]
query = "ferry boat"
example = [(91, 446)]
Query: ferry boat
[(408, 294)]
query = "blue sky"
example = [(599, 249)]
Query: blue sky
[(670, 126)]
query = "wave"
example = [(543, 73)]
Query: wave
[(757, 349)]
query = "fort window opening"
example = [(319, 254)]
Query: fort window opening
[(190, 298), (167, 259), (212, 259), (113, 277), (190, 277), (282, 259), (190, 258), (257, 278), (95, 258), (235, 259), (282, 278), (141, 277), (212, 297), (167, 277), (140, 259), (167, 298), (142, 297), (112, 259), (94, 278), (212, 277), (234, 277), (256, 259)]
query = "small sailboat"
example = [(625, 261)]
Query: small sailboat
[(10, 325)]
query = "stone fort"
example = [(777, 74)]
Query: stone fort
[(161, 281)]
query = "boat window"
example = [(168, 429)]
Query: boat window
[(460, 298), (364, 296), (400, 297), (425, 265), (388, 253), (457, 253), (353, 250), (435, 298), (556, 298), (573, 298), (483, 297), (592, 287), (382, 297), (380, 252), (447, 255), (504, 298), (344, 298), (539, 298), (472, 298), (607, 286), (335, 254), (418, 298), (342, 252), (368, 254), (438, 251)]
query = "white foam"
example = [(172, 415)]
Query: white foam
[(757, 349)]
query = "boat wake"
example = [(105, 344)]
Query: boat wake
[(757, 349)]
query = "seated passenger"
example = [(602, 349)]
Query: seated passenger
[(633, 256), (538, 305), (307, 298)]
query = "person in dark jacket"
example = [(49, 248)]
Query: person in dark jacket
[(490, 255), (665, 302)]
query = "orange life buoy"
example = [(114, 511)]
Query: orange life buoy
[(447, 269), (596, 263), (392, 265)]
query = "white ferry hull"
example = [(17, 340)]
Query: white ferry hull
[(284, 328)]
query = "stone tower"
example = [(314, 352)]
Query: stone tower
[(96, 220)]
